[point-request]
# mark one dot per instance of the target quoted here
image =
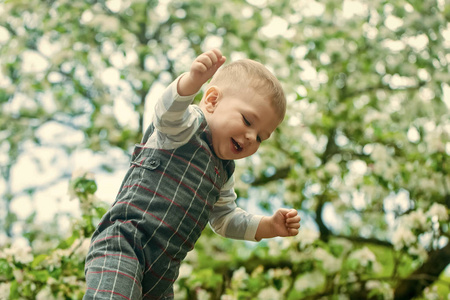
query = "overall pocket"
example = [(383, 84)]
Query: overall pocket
[(147, 163)]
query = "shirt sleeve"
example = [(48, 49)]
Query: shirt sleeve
[(230, 221), (175, 119)]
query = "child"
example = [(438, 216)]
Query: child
[(181, 178)]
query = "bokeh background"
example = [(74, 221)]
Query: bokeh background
[(363, 153)]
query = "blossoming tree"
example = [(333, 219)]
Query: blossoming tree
[(363, 153)]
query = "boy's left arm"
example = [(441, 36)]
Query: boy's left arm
[(284, 222), (231, 221)]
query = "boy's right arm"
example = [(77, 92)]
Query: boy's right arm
[(202, 69), (172, 116)]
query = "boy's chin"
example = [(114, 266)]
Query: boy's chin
[(234, 158), (226, 157)]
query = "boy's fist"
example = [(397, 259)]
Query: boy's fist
[(206, 65), (202, 69), (286, 222)]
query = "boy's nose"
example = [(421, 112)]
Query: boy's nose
[(250, 136)]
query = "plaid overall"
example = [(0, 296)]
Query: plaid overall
[(162, 207)]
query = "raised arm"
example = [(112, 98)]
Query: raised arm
[(202, 69)]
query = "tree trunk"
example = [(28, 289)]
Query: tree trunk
[(424, 276)]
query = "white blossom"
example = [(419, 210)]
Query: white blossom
[(18, 275), (391, 170), (331, 264), (332, 168), (20, 252), (274, 247), (45, 294), (269, 293), (382, 287), (70, 280), (364, 256), (438, 210), (419, 251), (434, 140), (278, 273), (51, 281), (373, 284), (309, 280), (415, 220), (379, 153), (4, 290), (431, 293), (80, 172), (202, 294), (427, 184), (351, 277), (185, 270), (239, 277), (7, 254), (106, 23), (192, 256), (309, 158), (82, 249), (285, 243), (54, 259), (307, 238), (403, 237)]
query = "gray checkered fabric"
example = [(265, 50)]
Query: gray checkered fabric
[(163, 205)]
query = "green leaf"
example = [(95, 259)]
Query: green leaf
[(38, 260), (6, 269), (14, 290), (41, 275)]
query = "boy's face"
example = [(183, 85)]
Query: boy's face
[(238, 122)]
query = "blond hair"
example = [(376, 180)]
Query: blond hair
[(249, 73)]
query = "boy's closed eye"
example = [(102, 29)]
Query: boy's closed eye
[(247, 123)]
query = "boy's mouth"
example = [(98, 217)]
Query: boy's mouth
[(236, 145)]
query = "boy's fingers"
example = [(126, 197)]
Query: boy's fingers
[(293, 225), (293, 218), (209, 59), (205, 60), (293, 222), (291, 213), (221, 61), (217, 54), (213, 56), (293, 232), (217, 58)]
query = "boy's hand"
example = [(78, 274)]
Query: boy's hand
[(202, 69), (284, 222)]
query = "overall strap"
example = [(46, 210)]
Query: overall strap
[(148, 132)]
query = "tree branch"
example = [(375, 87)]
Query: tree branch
[(281, 173), (424, 276)]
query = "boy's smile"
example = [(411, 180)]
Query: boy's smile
[(237, 147), (238, 122)]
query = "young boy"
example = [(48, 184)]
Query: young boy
[(181, 178)]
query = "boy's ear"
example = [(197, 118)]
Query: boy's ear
[(211, 98)]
